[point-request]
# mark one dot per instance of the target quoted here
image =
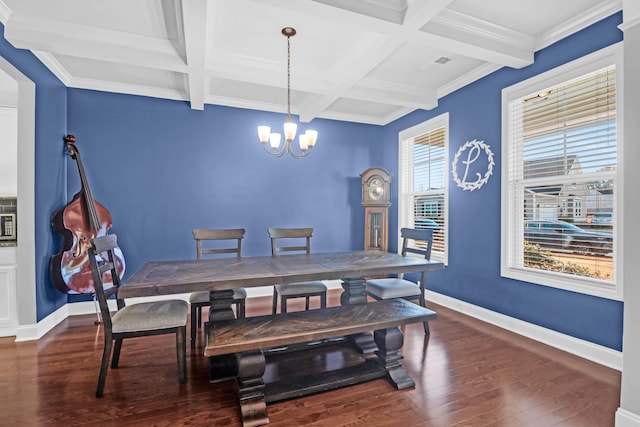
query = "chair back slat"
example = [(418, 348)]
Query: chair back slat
[(290, 240), (102, 261), (202, 235), (105, 267), (423, 241)]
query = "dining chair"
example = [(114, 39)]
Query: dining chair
[(289, 240), (136, 320), (198, 300), (413, 241)]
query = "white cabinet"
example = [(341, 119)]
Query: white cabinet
[(8, 318)]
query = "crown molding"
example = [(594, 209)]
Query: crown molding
[(578, 23), (54, 66)]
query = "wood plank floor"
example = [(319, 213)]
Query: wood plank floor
[(467, 373)]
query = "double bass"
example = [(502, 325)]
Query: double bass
[(78, 222)]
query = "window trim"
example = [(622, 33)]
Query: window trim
[(608, 56), (439, 121)]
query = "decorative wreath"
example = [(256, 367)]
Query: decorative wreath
[(482, 180)]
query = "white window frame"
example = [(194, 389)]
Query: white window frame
[(510, 230), (405, 199)]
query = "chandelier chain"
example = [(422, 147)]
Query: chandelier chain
[(289, 76)]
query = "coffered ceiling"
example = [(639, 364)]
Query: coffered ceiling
[(368, 61)]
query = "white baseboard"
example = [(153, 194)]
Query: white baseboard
[(37, 331), (625, 418), (585, 349), (8, 331)]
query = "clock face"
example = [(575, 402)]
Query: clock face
[(376, 189)]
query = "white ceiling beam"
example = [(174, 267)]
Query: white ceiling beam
[(126, 88), (418, 100), (195, 16), (386, 11), (476, 38)]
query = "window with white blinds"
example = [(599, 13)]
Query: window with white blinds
[(423, 172), (560, 177)]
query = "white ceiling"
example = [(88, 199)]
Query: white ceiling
[(368, 61)]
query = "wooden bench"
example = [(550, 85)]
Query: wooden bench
[(247, 338)]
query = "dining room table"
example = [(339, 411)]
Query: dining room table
[(222, 275)]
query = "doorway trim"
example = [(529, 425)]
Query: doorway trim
[(26, 254)]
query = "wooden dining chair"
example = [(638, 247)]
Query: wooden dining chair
[(288, 240), (413, 241), (136, 320), (198, 300)]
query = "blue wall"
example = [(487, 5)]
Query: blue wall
[(473, 273), (163, 169), (51, 116)]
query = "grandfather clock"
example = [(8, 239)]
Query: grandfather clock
[(376, 201)]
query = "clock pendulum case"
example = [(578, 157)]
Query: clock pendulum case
[(376, 201)]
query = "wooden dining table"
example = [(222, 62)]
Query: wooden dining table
[(221, 276), (225, 274)]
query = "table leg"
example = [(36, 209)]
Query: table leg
[(221, 302), (353, 291), (389, 343), (223, 367), (354, 294)]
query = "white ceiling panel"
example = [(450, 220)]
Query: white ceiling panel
[(368, 61)]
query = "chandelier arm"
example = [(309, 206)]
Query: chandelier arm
[(277, 153), (298, 155)]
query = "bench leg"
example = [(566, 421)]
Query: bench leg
[(389, 343), (251, 367)]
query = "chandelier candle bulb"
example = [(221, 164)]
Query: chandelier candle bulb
[(304, 141), (274, 140), (263, 133), (312, 135), (290, 129)]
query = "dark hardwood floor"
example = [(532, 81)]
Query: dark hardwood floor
[(467, 373)]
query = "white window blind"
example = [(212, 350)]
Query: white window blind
[(561, 183), (423, 181)]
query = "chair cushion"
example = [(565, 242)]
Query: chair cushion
[(392, 288), (203, 297), (301, 288), (148, 316)]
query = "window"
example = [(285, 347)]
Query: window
[(560, 179), (423, 170)]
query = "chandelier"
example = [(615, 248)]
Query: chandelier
[(306, 140)]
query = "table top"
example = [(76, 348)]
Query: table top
[(172, 277)]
